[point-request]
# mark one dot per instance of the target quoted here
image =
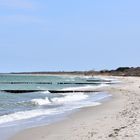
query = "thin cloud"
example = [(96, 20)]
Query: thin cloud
[(24, 4)]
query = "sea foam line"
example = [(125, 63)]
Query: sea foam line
[(66, 98), (25, 115)]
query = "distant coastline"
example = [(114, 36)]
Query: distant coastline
[(121, 71)]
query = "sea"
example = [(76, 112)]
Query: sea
[(20, 111)]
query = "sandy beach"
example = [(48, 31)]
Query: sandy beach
[(117, 119)]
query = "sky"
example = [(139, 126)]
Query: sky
[(67, 35)]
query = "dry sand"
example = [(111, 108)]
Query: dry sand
[(117, 119)]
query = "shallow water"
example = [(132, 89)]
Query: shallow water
[(39, 108)]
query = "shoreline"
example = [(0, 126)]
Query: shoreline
[(114, 119)]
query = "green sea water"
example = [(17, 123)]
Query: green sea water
[(35, 108), (37, 82)]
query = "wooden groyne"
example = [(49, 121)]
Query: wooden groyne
[(21, 91), (26, 83), (51, 91), (50, 83), (72, 91)]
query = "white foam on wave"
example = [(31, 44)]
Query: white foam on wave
[(41, 101), (70, 97), (70, 101), (25, 115), (84, 88), (67, 97), (45, 92)]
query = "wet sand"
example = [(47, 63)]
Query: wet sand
[(117, 119)]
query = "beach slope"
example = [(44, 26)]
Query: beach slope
[(117, 119)]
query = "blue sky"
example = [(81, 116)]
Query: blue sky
[(53, 35)]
